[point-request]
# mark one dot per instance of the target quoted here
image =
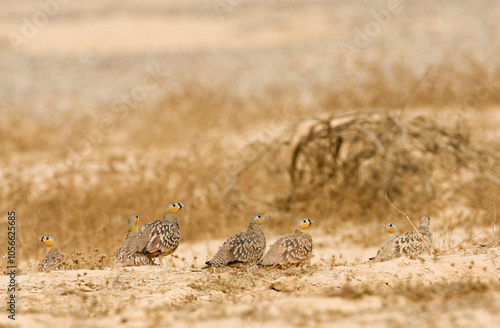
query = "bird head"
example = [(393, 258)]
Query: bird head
[(425, 221), (304, 224), (48, 241), (391, 228), (174, 208), (260, 218), (133, 223)]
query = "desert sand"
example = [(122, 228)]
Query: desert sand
[(460, 290)]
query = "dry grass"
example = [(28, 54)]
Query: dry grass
[(80, 178)]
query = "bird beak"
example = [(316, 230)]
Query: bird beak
[(182, 205), (311, 221), (40, 239)]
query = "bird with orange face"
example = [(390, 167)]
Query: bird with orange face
[(295, 248), (411, 243), (126, 252), (53, 256), (161, 237), (385, 251), (246, 247)]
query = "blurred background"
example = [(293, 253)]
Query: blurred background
[(296, 109)]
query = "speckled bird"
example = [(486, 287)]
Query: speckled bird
[(125, 253), (413, 243), (386, 250), (245, 247), (161, 237), (295, 248), (52, 255)]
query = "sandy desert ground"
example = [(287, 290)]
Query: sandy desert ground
[(112, 109), (461, 289)]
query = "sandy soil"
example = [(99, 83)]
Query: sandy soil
[(459, 290)]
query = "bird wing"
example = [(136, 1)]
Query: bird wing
[(51, 261), (411, 243), (125, 254), (158, 237), (294, 248), (386, 251), (244, 247), (273, 254), (297, 248)]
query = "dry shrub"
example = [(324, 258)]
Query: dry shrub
[(346, 163)]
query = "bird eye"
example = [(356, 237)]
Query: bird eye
[(259, 216)]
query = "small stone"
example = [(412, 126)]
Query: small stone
[(285, 284)]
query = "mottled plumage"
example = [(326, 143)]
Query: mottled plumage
[(413, 243), (386, 250), (245, 247), (291, 249), (160, 237), (125, 253), (53, 257)]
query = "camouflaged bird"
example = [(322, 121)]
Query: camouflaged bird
[(161, 237), (125, 253), (295, 248), (245, 247), (413, 243), (53, 256), (385, 251)]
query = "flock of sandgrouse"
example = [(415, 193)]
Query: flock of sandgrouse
[(161, 238)]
